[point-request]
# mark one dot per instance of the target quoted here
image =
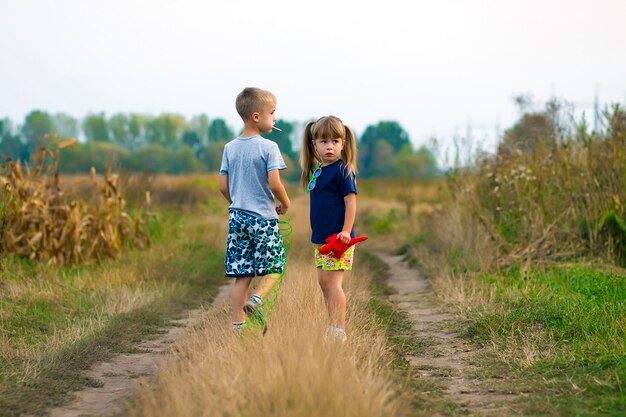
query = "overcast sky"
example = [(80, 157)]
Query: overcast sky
[(433, 66)]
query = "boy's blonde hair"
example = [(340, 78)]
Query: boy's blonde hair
[(252, 100), (327, 127)]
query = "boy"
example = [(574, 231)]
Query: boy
[(250, 180)]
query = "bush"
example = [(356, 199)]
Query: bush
[(546, 195)]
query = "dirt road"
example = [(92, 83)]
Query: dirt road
[(448, 359), (120, 377)]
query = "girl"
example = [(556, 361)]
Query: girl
[(328, 161)]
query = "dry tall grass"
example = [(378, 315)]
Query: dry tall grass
[(560, 196), (293, 370)]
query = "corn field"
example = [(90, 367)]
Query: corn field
[(39, 220)]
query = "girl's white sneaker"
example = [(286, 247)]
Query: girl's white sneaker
[(336, 333)]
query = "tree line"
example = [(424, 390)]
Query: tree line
[(170, 143)]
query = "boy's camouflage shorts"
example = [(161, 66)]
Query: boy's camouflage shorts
[(254, 246)]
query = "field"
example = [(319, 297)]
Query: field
[(521, 311)]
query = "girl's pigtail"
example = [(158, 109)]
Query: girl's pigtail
[(307, 154), (349, 150)]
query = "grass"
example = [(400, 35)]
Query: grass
[(56, 322), (293, 370), (554, 331), (562, 331)]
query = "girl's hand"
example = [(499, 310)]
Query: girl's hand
[(344, 237)]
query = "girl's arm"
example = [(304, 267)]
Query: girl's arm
[(348, 223), (224, 188)]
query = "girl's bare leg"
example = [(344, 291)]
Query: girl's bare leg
[(331, 285)]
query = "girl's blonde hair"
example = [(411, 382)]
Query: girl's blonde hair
[(327, 127)]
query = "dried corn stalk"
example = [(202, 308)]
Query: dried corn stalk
[(39, 221)]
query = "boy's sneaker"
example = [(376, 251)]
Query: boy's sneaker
[(254, 309), (254, 306)]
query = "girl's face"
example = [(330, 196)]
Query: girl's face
[(329, 150)]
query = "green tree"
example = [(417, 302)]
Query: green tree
[(386, 131), (166, 130), (153, 158), (157, 159), (212, 157), (390, 132), (293, 171), (119, 126), (81, 157), (419, 165), (137, 131), (427, 163), (96, 128), (219, 131), (66, 125), (37, 124), (200, 125), (191, 139), (382, 160), (10, 144), (184, 160)]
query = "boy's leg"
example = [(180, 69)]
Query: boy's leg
[(331, 285), (269, 257), (239, 261), (238, 298), (254, 306), (266, 285)]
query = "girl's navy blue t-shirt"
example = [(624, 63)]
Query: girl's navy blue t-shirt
[(328, 209)]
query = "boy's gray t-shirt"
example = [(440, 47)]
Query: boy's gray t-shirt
[(247, 161)]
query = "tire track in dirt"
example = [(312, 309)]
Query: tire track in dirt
[(120, 377), (448, 359)]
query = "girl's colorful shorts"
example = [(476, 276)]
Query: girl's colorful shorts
[(328, 263)]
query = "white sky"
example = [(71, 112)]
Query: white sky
[(433, 66)]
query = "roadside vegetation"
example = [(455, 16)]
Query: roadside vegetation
[(529, 244), (61, 314)]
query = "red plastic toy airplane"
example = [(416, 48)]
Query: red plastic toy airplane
[(336, 248)]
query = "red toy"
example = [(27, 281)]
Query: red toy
[(336, 248)]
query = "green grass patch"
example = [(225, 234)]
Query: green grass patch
[(562, 329)]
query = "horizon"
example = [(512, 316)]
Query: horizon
[(445, 70)]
